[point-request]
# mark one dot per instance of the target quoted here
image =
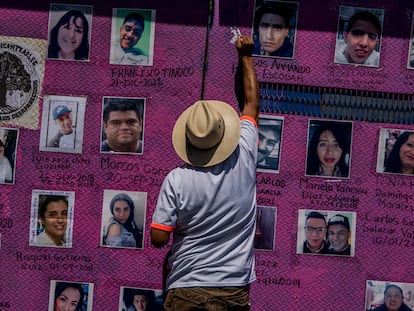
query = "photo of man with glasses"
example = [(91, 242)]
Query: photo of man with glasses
[(323, 232), (315, 230), (122, 128), (132, 41)]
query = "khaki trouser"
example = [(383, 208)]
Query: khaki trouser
[(208, 299)]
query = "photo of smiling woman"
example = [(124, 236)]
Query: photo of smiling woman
[(51, 220), (70, 296), (329, 148), (69, 35), (123, 225)]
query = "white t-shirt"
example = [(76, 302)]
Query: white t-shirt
[(212, 213)]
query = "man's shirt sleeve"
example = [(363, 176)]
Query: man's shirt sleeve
[(165, 215)]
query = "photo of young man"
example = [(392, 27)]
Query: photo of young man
[(359, 36), (132, 39)]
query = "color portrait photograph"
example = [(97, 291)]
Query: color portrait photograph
[(8, 147), (132, 37), (358, 40), (123, 219), (270, 143), (140, 299), (329, 148), (62, 124), (396, 151), (274, 28), (123, 125), (388, 296), (70, 28), (323, 232), (70, 296), (51, 218)]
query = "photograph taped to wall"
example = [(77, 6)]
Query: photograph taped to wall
[(264, 238), (68, 295), (358, 40), (270, 143), (396, 151), (132, 37), (70, 28), (389, 295), (410, 62), (123, 125), (274, 28), (62, 124), (51, 218), (328, 152), (134, 298), (322, 232), (8, 147), (123, 219)]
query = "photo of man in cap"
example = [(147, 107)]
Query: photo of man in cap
[(209, 203), (339, 234), (65, 137), (62, 124)]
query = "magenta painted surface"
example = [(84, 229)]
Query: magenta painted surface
[(326, 282)]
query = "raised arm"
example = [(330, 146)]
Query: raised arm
[(250, 106)]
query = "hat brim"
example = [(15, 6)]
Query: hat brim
[(212, 156)]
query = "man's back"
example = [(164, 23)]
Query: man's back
[(213, 212)]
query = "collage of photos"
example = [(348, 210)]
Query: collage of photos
[(323, 232)]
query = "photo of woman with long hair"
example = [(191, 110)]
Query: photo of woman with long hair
[(121, 229), (70, 36)]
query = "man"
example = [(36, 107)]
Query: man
[(271, 24), (124, 52), (269, 137), (209, 204), (339, 234), (65, 137), (359, 40), (6, 172), (122, 123), (137, 299), (315, 230)]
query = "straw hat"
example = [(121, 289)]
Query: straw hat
[(206, 133)]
